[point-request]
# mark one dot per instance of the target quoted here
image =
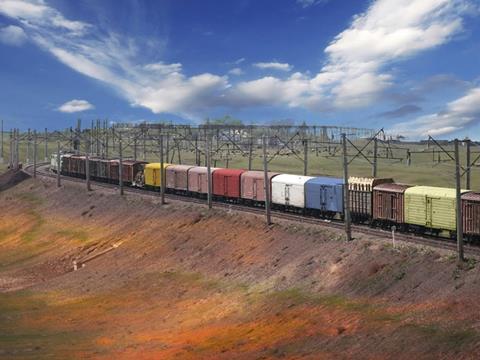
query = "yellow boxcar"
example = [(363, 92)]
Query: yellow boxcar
[(152, 174), (431, 207)]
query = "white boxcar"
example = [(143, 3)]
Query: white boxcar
[(53, 162), (289, 190)]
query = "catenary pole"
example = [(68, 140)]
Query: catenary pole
[(375, 152), (120, 166), (266, 181), (458, 204), (87, 171), (1, 143), (59, 164), (46, 144), (209, 169), (34, 154), (468, 173), (346, 192), (162, 171)]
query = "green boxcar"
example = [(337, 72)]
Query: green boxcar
[(431, 207)]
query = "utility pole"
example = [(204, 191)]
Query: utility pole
[(346, 192), (209, 170), (459, 204), (305, 157), (162, 177), (17, 151), (266, 181), (375, 151), (27, 160), (46, 144), (468, 173), (120, 165), (135, 148), (250, 150), (34, 154), (87, 166), (59, 164), (10, 157)]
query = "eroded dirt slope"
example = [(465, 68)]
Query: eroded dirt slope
[(181, 282)]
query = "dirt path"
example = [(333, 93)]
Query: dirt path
[(181, 282)]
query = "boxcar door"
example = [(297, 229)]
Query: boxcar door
[(287, 194), (323, 198), (429, 212), (393, 207), (225, 185), (254, 190)]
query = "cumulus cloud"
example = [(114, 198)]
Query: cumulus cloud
[(355, 72), (12, 35), (274, 66), (73, 106), (458, 115)]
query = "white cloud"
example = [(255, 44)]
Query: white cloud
[(73, 106), (236, 71), (458, 115), (12, 35), (307, 3), (355, 72), (274, 65)]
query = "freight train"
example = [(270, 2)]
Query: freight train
[(373, 201)]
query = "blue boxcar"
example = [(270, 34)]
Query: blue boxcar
[(324, 194)]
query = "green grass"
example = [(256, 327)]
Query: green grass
[(424, 170)]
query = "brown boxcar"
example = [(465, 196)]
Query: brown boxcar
[(177, 177), (388, 203), (226, 183), (361, 199), (77, 165), (253, 185), (65, 164), (102, 167), (130, 168), (471, 213), (197, 179)]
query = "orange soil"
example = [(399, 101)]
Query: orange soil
[(186, 283)]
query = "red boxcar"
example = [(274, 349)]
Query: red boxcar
[(226, 183), (388, 203), (471, 213), (253, 185), (177, 177)]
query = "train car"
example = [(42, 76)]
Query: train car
[(253, 186), (471, 215), (54, 162), (151, 173), (226, 184), (99, 169), (324, 196), (77, 163), (197, 180), (430, 209), (177, 178), (288, 191), (130, 169), (361, 199), (388, 204)]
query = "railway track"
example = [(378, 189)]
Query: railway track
[(440, 243)]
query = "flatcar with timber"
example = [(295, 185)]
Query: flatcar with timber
[(361, 199)]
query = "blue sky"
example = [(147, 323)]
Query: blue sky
[(410, 66)]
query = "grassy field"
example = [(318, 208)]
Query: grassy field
[(425, 169)]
